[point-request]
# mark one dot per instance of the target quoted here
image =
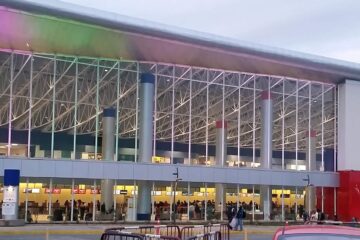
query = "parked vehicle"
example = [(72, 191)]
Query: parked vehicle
[(316, 232)]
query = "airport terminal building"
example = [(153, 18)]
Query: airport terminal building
[(113, 118)]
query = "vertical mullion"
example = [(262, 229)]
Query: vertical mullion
[(171, 200), (237, 197), (283, 128), (30, 106), (207, 120), (190, 114), (297, 125), (76, 104), (322, 128), (97, 107), (253, 203), (155, 110), (322, 144), (282, 204), (72, 200), (223, 133), (94, 202), (153, 199), (335, 201), (137, 111), (296, 203), (172, 115), (53, 111), (135, 201), (10, 103), (254, 119), (205, 212), (188, 200), (50, 196), (114, 193), (26, 199), (239, 126), (309, 129), (335, 129), (117, 112)]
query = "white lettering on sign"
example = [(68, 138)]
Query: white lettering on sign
[(10, 195), (8, 209)]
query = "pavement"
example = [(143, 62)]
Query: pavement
[(94, 231)]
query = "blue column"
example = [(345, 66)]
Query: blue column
[(10, 206), (147, 81)]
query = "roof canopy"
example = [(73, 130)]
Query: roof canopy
[(62, 28)]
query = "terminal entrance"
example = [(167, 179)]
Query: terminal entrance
[(42, 200)]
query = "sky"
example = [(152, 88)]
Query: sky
[(329, 28)]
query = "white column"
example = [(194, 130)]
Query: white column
[(311, 151), (108, 144), (348, 127), (220, 158), (266, 149), (147, 81)]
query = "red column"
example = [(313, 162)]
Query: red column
[(348, 195), (328, 201)]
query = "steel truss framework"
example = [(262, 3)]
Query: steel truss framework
[(56, 93)]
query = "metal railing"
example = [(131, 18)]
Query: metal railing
[(168, 232)]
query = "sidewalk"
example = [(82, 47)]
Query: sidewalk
[(98, 229)]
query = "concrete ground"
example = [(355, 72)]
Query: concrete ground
[(93, 232)]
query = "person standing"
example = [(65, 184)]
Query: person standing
[(240, 215)]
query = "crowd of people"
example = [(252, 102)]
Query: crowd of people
[(84, 211)]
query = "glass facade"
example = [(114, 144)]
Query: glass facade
[(52, 108)]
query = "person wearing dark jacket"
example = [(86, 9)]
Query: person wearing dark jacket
[(240, 216)]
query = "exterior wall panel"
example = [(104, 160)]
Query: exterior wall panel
[(144, 171)]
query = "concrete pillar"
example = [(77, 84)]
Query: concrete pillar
[(108, 144), (220, 160), (147, 81), (266, 149), (311, 151), (310, 191), (348, 127)]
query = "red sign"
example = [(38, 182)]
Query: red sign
[(54, 190), (95, 191), (79, 191)]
